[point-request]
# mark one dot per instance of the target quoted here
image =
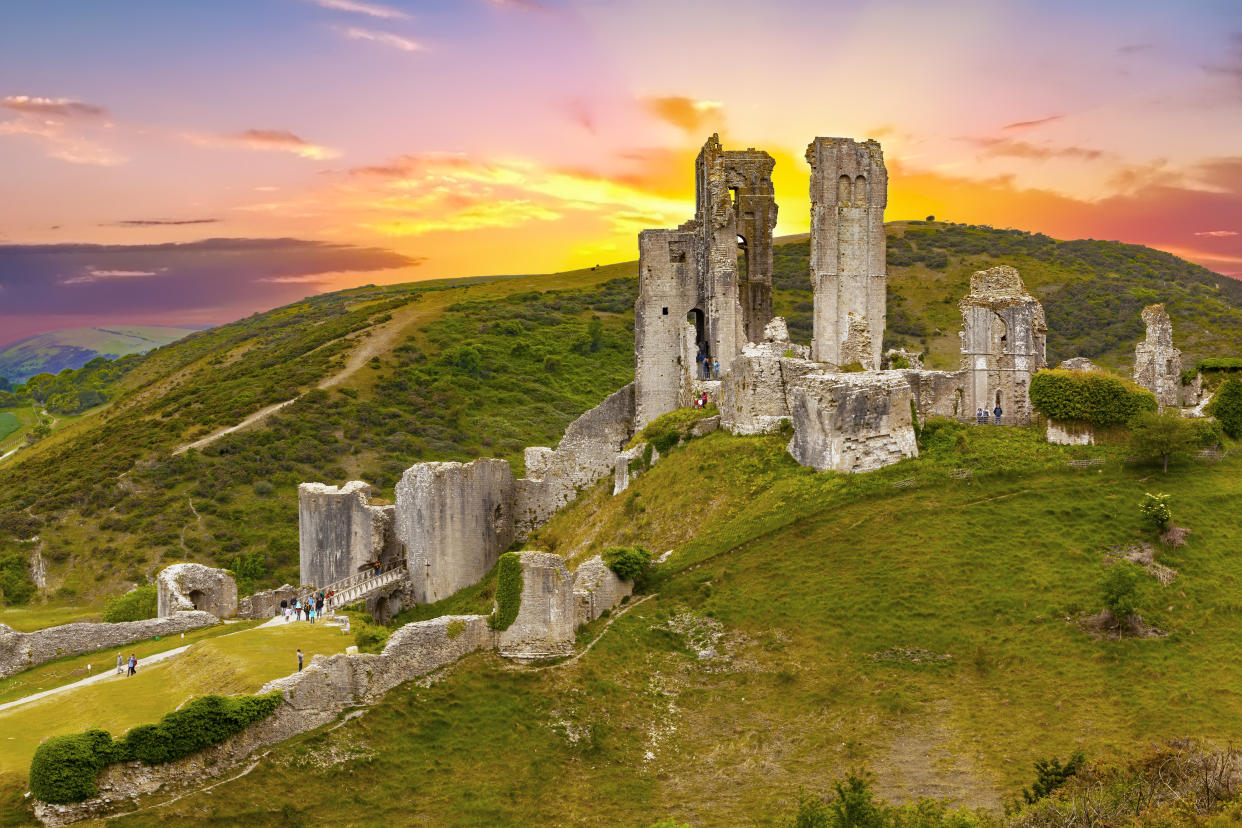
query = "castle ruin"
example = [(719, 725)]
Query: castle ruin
[(1157, 364)]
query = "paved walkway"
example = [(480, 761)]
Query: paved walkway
[(108, 672)]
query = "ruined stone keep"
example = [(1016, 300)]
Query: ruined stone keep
[(695, 299), (849, 191)]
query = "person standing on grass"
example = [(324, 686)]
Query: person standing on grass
[(299, 659), (996, 413), (120, 664)]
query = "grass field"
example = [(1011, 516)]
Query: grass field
[(8, 424), (227, 664), (68, 670), (930, 634), (38, 616)]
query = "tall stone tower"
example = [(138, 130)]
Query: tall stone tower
[(849, 191)]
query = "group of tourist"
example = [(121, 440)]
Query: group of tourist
[(702, 400), (981, 416), (128, 666), (308, 608), (710, 368)]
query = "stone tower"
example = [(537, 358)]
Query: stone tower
[(692, 299), (849, 191), (1003, 343), (1157, 364)]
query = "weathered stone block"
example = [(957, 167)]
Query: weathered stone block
[(1070, 434), (597, 588), (852, 422), (546, 621), (339, 532), (1157, 364)]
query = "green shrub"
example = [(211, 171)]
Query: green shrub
[(369, 637), (1050, 775), (1155, 510), (811, 813), (1207, 433), (1226, 407), (508, 591), (1092, 397), (15, 584), (671, 428), (628, 562), (1219, 364), (136, 605), (64, 768), (1120, 589)]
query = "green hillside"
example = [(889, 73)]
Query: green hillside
[(54, 351), (805, 625), (387, 376)]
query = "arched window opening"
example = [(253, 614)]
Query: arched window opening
[(845, 191)]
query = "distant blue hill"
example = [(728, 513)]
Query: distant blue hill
[(55, 351)]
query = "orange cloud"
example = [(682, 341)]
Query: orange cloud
[(1020, 125), (52, 107), (278, 140), (685, 113), (1009, 148)]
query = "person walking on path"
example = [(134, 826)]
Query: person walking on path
[(133, 665), (299, 659), (120, 664), (996, 414)]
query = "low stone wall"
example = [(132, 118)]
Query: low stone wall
[(1070, 434), (190, 586), (21, 651)]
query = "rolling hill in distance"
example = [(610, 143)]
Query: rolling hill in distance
[(54, 351)]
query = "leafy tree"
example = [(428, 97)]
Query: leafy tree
[(1162, 436), (855, 805), (1120, 590), (628, 562), (137, 604), (15, 584), (467, 360), (1226, 407)]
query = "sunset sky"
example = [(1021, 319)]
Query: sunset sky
[(190, 162)]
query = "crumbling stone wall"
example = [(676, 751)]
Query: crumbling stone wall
[(547, 618), (940, 393), (265, 604), (584, 455), (1157, 364), (186, 587), (1003, 343), (852, 422), (339, 532), (757, 394), (1069, 434), (21, 651), (454, 520), (849, 191)]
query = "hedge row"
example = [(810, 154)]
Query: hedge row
[(64, 768), (508, 591), (1093, 397)]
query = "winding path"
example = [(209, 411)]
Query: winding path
[(104, 674)]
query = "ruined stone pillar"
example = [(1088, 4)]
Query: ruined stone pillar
[(1157, 364), (547, 618), (667, 292), (339, 533), (849, 191)]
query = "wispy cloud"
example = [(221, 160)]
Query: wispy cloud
[(523, 5), (1217, 234), (61, 143), (94, 274), (161, 222), (685, 113), (52, 107), (368, 9), (386, 38), (1009, 148), (277, 140), (1022, 125)]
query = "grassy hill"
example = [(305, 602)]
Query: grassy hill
[(54, 351), (805, 625), (387, 376)]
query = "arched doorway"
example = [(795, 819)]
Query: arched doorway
[(197, 598), (702, 347)]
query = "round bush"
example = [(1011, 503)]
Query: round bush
[(1093, 397), (64, 768)]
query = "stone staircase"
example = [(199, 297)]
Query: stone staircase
[(363, 585)]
